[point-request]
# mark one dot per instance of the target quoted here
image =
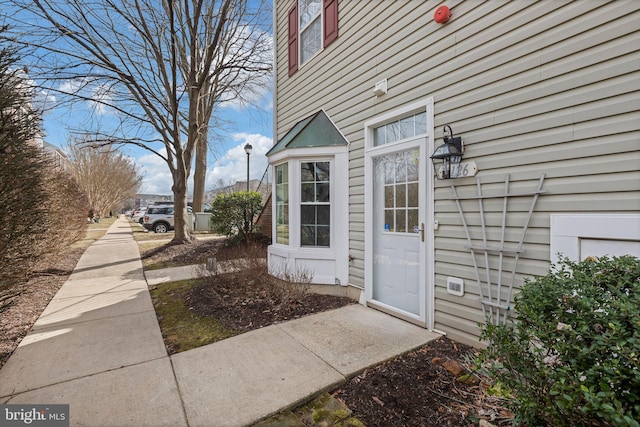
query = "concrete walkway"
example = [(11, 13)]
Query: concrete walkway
[(98, 348)]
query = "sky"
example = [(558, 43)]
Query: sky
[(227, 161)]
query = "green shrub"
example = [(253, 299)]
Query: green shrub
[(572, 355), (232, 214)]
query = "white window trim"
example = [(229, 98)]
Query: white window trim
[(566, 230)]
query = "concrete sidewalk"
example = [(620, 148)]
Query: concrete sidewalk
[(98, 347)]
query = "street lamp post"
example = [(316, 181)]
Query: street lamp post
[(247, 149)]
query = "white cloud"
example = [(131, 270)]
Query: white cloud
[(101, 100), (99, 95), (71, 86), (156, 175), (231, 167), (44, 101), (257, 48)]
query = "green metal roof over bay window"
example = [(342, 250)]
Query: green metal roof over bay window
[(316, 130)]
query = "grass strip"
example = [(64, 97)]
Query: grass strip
[(182, 329), (95, 230)]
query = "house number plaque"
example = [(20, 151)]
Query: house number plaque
[(460, 170)]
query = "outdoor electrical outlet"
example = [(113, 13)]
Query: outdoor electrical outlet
[(455, 286)]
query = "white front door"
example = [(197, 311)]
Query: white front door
[(398, 231), (399, 213)]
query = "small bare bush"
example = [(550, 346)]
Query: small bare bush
[(282, 285), (249, 260), (246, 261), (288, 285)]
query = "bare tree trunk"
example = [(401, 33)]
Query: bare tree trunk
[(200, 172), (182, 234)]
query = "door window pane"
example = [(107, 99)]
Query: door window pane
[(412, 195), (401, 190), (412, 221), (401, 195), (388, 196), (401, 221)]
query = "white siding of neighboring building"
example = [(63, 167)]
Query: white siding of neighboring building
[(547, 87)]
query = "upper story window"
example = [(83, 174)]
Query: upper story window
[(310, 29), (313, 24)]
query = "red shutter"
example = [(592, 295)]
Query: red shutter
[(330, 21), (293, 38)]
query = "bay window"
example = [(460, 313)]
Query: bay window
[(282, 203), (315, 204)]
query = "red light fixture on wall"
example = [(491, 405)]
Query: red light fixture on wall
[(442, 14)]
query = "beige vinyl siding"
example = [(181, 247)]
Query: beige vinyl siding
[(533, 87)]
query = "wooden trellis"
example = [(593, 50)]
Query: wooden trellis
[(497, 307)]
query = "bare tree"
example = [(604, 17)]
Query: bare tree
[(250, 52), (154, 64), (106, 176)]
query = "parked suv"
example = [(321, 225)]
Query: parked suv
[(138, 214), (159, 219)]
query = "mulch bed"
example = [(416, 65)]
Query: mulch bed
[(195, 252), (416, 389), (240, 304)]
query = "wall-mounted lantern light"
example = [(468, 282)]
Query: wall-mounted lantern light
[(447, 154)]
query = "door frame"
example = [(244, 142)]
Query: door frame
[(427, 304)]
